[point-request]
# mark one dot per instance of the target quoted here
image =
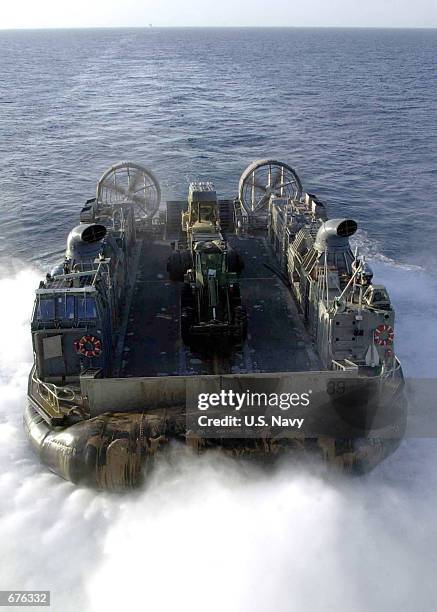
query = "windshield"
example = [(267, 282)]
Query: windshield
[(45, 309), (211, 261), (86, 308), (65, 308), (206, 212)]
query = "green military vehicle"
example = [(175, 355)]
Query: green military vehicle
[(211, 308)]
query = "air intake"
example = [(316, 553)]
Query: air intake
[(93, 233), (334, 234), (84, 241), (347, 228)]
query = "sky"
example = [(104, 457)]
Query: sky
[(113, 13)]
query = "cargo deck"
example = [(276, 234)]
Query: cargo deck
[(277, 339)]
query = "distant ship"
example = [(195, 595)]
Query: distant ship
[(263, 290)]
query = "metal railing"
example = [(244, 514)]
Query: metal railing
[(56, 402), (393, 371), (347, 365)]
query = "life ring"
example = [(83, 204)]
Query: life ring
[(90, 346), (384, 335)]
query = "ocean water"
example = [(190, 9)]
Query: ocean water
[(355, 113)]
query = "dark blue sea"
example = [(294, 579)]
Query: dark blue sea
[(355, 113)]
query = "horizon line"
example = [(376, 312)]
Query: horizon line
[(219, 27)]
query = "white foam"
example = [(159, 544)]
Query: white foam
[(208, 534)]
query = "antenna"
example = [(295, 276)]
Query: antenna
[(326, 281)]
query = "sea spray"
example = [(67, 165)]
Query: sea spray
[(211, 533)]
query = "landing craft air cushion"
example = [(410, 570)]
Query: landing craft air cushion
[(117, 345)]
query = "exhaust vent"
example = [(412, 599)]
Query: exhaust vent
[(85, 241), (93, 233), (333, 235), (347, 228)]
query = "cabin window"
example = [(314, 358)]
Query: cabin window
[(69, 307), (212, 261), (380, 296), (45, 310), (65, 307), (205, 212), (86, 308)]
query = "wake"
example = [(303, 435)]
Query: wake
[(210, 533)]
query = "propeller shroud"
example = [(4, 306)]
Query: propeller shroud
[(264, 178), (129, 182)]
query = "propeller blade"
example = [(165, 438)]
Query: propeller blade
[(259, 186), (134, 183), (113, 187), (282, 185), (140, 202), (262, 202), (142, 188), (277, 177)]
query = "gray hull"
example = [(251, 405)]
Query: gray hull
[(113, 382), (116, 451)]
